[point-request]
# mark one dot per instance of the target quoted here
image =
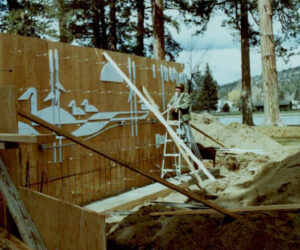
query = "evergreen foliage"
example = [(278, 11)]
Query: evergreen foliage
[(206, 97), (27, 18), (225, 108)]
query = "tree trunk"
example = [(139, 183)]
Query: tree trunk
[(63, 31), (103, 29), (113, 25), (269, 73), (246, 78), (158, 29), (96, 24), (140, 27)]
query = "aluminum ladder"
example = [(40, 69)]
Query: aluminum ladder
[(176, 125)]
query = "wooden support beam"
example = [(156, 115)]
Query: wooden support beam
[(10, 137), (159, 116), (264, 208), (26, 227), (91, 147), (146, 198)]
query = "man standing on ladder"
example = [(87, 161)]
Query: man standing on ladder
[(181, 103)]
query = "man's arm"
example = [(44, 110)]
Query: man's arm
[(186, 102), (171, 101)]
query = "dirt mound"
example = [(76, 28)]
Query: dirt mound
[(257, 181), (234, 135), (253, 231), (250, 179)]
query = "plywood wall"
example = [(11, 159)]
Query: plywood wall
[(82, 176), (63, 225)]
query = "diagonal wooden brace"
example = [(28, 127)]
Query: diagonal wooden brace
[(159, 116), (91, 147)]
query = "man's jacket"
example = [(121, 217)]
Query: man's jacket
[(184, 104)]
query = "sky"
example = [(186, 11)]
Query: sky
[(218, 48)]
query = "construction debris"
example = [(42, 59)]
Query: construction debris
[(253, 170), (261, 171)]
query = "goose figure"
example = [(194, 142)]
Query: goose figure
[(47, 113), (75, 110), (88, 108)]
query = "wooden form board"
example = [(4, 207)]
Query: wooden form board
[(63, 225), (82, 176), (286, 207), (11, 137)]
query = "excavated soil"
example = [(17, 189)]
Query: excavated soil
[(277, 230), (249, 178), (241, 180)]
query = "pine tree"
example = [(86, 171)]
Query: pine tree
[(27, 18), (207, 97)]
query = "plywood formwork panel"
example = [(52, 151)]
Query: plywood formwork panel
[(81, 177), (63, 225)]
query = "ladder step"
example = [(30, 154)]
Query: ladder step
[(169, 170), (173, 155), (174, 123), (169, 140)]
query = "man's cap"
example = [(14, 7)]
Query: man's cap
[(179, 85)]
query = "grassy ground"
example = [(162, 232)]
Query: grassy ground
[(288, 141)]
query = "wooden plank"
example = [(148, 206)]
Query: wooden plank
[(159, 116), (11, 137), (91, 147), (8, 110), (233, 210), (131, 204), (26, 227), (8, 241), (64, 225)]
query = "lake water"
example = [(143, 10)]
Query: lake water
[(288, 119)]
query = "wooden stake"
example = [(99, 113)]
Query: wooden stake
[(91, 147)]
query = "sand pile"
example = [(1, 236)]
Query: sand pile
[(250, 179), (235, 135), (252, 231)]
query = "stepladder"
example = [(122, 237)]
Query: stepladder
[(170, 151)]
